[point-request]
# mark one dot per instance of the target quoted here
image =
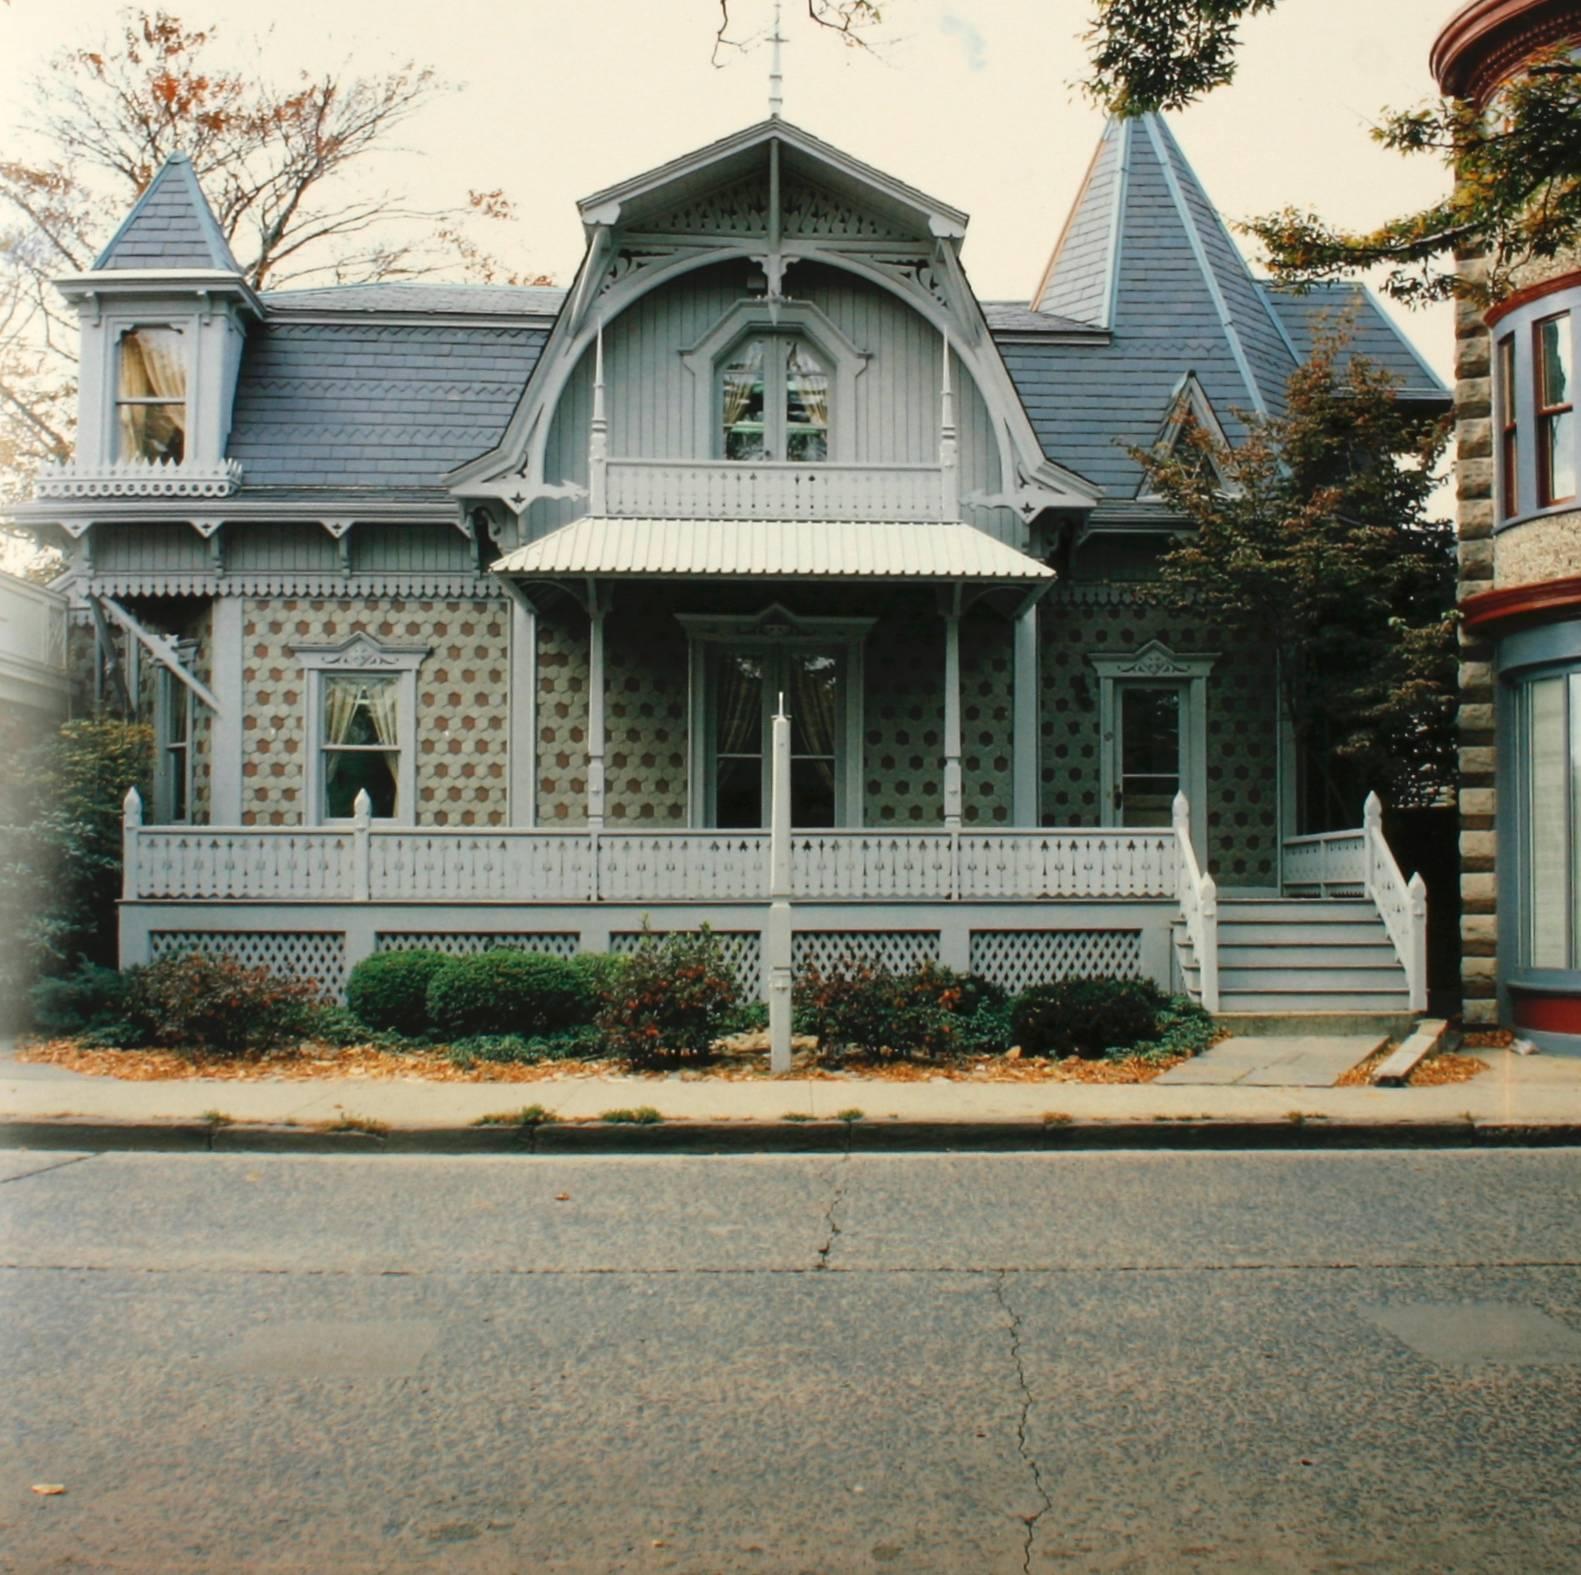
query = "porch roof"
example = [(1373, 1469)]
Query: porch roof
[(772, 549)]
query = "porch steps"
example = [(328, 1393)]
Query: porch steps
[(1283, 955)]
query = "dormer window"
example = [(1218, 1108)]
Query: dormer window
[(774, 398), (151, 396)]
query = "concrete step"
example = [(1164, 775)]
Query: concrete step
[(1396, 1024), (1314, 1000), (1345, 933), (1360, 954)]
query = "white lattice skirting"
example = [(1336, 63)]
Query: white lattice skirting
[(292, 954), (1018, 958), (557, 943), (743, 951)]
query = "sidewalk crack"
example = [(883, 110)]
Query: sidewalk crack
[(840, 1176), (1029, 1459)]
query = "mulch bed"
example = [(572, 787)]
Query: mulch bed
[(735, 1065), (1446, 1066)]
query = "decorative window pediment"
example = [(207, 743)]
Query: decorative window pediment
[(361, 652)]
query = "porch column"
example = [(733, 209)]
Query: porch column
[(596, 610), (952, 716), (1024, 717), (227, 746), (523, 803)]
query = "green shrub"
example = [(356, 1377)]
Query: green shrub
[(931, 1012), (562, 1044), (1183, 1027), (673, 998), (600, 972), (60, 825), (86, 997), (199, 1002), (505, 991), (390, 989), (1085, 1017)]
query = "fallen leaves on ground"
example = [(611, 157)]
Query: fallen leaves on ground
[(1487, 1039), (1444, 1066), (321, 1061)]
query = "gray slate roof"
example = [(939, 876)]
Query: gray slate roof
[(1146, 255), (171, 226), (1370, 332), (377, 403), (458, 300)]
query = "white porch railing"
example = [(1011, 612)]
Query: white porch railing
[(1401, 904), (1328, 864), (361, 862), (771, 490), (1199, 906), (139, 478)]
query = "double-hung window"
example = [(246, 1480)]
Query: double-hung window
[(361, 744), (774, 401), (151, 395), (1555, 409), (1509, 442), (173, 746)]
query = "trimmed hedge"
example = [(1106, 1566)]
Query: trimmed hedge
[(389, 990), (199, 1002), (505, 991), (932, 1011), (1086, 1017)]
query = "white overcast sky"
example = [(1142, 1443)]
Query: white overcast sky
[(971, 100)]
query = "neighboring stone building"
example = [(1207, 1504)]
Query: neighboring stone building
[(1520, 582), (531, 568)]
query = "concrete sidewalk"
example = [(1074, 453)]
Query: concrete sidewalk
[(1535, 1098)]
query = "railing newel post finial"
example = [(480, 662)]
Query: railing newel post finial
[(1417, 888), (1372, 811), (131, 821), (361, 829)]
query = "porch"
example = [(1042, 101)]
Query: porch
[(1018, 906)]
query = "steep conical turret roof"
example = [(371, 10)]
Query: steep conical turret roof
[(171, 226)]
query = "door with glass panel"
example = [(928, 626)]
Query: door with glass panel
[(745, 683), (1149, 752)]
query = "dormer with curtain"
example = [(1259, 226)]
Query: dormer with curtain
[(163, 314)]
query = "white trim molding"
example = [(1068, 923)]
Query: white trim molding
[(1155, 666), (361, 654)]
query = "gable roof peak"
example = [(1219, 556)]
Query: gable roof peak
[(170, 226)]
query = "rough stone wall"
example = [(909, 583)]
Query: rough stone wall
[(1242, 734), (462, 702), (1478, 795)]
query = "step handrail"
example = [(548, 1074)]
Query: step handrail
[(1199, 906), (1401, 903)]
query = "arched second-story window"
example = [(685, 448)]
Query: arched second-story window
[(774, 400)]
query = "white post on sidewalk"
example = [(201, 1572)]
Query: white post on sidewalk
[(777, 933)]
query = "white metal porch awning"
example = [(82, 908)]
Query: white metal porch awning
[(772, 549)]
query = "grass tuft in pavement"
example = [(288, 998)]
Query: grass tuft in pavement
[(642, 1116)]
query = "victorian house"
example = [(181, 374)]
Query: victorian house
[(462, 612)]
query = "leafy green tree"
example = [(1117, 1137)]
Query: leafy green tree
[(1516, 168), (60, 847), (1313, 541)]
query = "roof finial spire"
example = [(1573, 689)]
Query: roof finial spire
[(776, 76)]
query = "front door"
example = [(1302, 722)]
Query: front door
[(745, 684), (1149, 752)]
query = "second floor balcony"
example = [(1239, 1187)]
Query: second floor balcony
[(772, 490)]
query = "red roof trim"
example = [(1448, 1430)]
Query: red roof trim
[(1501, 611), (1485, 43), (1532, 292)]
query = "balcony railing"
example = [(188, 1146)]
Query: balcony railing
[(139, 478), (721, 489)]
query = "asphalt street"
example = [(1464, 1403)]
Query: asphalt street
[(1144, 1361)]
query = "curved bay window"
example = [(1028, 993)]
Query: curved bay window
[(151, 395), (1548, 731), (1537, 438), (774, 401), (1556, 460)]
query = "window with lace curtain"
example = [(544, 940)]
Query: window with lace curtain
[(361, 745), (361, 722), (774, 401), (151, 395)]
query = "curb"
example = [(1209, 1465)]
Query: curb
[(780, 1137)]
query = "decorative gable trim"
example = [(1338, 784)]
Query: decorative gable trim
[(1188, 405)]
